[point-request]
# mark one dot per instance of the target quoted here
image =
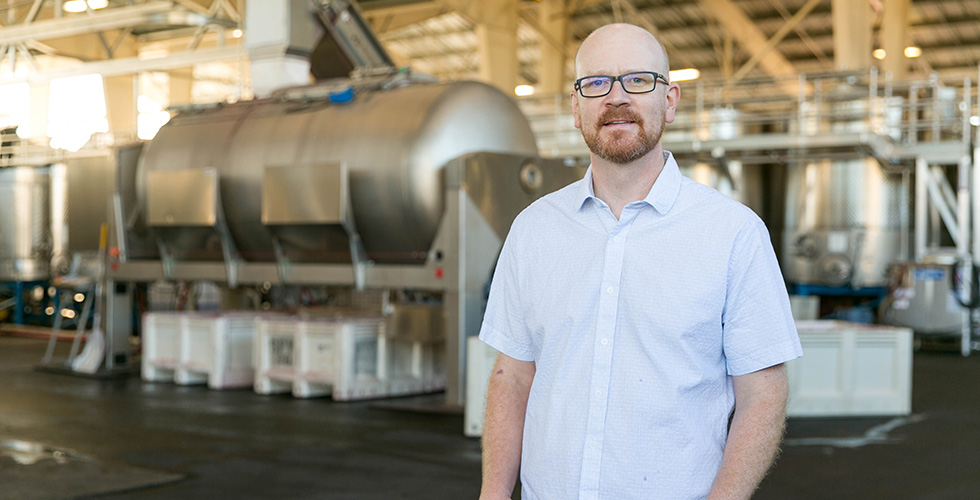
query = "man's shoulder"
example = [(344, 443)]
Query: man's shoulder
[(714, 205)]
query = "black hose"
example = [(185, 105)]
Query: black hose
[(955, 282)]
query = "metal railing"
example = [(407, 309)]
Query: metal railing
[(906, 112), (34, 152)]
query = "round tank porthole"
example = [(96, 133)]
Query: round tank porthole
[(531, 177)]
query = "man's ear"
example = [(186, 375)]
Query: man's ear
[(673, 96)]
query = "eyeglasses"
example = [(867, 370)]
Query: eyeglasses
[(634, 83)]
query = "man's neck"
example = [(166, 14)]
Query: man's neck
[(619, 184)]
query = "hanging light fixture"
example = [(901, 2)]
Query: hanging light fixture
[(524, 90), (683, 75), (76, 6)]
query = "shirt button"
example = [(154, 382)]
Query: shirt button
[(605, 341), (592, 445), (610, 289), (598, 394), (615, 239)]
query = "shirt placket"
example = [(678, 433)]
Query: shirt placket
[(603, 340)]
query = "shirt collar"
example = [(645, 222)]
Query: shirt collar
[(661, 197)]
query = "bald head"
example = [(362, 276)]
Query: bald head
[(621, 40)]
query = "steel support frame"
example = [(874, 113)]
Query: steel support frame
[(933, 192)]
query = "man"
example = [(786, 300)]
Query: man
[(633, 310)]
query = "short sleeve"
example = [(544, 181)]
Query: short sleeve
[(504, 327), (757, 322)]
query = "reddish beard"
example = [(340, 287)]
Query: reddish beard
[(622, 146)]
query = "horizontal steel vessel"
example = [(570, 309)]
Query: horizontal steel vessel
[(25, 235), (393, 143)]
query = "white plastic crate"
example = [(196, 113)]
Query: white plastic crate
[(851, 369), (344, 358), (161, 346), (414, 367), (312, 357), (273, 354), (479, 363), (216, 349)]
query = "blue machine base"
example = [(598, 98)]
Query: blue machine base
[(838, 291), (19, 290)]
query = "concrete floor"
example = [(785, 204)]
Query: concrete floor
[(191, 442)]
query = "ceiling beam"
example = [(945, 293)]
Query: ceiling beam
[(770, 45), (729, 16), (577, 5), (133, 65), (385, 18), (109, 19), (530, 18)]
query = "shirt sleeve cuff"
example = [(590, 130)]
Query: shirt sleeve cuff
[(763, 360), (501, 342)]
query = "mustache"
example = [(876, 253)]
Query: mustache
[(617, 114)]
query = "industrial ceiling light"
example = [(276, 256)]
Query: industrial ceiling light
[(524, 90), (879, 54), (236, 33), (76, 6), (912, 52), (683, 75)]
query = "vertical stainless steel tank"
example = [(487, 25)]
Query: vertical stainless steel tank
[(25, 236), (843, 223), (394, 143)]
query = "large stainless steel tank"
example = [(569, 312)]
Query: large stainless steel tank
[(843, 223), (25, 236), (394, 144)]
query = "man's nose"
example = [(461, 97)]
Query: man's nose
[(618, 94)]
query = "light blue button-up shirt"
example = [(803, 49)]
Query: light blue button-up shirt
[(635, 326)]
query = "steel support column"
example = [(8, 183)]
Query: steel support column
[(852, 34), (553, 23), (893, 37)]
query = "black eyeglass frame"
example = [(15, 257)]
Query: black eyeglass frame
[(613, 79)]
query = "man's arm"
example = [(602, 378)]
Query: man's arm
[(757, 428), (503, 425)]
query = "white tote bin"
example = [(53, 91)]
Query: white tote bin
[(479, 363), (851, 369), (273, 354), (161, 345), (343, 358), (217, 349), (414, 367)]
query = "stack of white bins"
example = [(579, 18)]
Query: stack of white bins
[(851, 369), (349, 359), (346, 358), (196, 348)]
